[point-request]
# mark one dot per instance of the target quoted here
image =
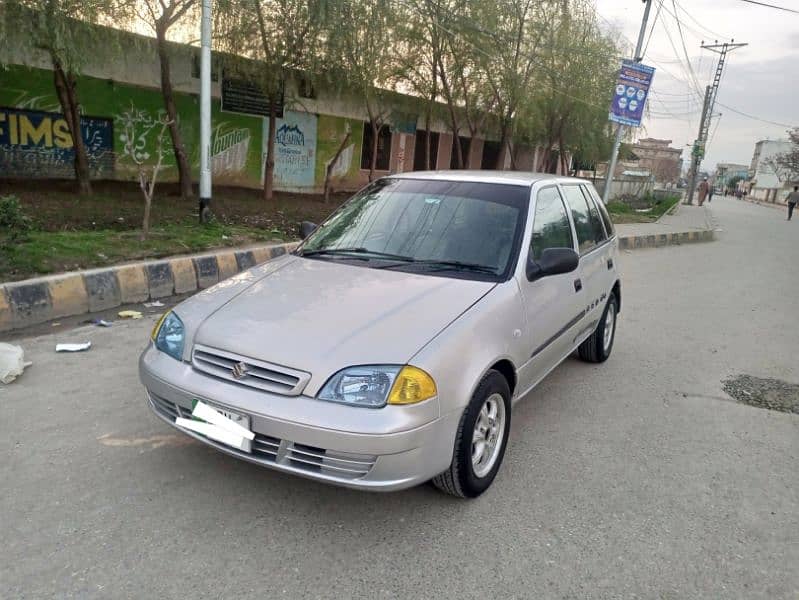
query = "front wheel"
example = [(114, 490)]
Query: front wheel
[(598, 346), (481, 440)]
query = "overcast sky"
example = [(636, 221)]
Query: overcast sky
[(761, 79)]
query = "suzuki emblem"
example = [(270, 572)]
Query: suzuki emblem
[(239, 370)]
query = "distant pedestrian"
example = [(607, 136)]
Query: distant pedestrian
[(703, 186), (709, 193), (793, 200)]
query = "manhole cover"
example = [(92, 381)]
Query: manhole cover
[(774, 394)]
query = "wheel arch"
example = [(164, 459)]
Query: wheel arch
[(617, 291)]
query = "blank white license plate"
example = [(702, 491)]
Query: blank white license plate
[(238, 418)]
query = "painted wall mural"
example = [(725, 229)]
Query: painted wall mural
[(305, 142), (36, 143), (295, 150)]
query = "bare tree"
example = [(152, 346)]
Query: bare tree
[(284, 37), (61, 28), (161, 16), (138, 127)]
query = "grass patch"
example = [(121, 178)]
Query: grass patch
[(41, 252), (621, 212)]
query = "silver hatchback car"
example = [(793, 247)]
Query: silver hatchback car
[(389, 348)]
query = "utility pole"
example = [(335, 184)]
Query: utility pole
[(637, 57), (205, 112), (698, 150)]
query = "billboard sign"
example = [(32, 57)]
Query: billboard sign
[(630, 93), (295, 149)]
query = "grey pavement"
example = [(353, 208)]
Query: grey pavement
[(639, 478), (685, 218)]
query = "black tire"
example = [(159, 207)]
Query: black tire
[(460, 479), (593, 349)]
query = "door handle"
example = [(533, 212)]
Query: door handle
[(578, 285), (610, 263)]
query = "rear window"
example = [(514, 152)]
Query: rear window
[(587, 221), (591, 194)]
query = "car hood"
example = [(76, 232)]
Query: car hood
[(320, 316)]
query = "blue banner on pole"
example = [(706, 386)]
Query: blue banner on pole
[(629, 96)]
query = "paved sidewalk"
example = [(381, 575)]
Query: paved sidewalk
[(686, 218)]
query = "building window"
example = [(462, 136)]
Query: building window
[(383, 148), (195, 67), (306, 88), (490, 155), (419, 150)]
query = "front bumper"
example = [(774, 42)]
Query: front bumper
[(385, 449)]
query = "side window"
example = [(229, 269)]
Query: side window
[(588, 225), (591, 194), (551, 228)]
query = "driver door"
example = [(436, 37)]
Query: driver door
[(553, 305)]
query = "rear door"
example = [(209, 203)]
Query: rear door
[(553, 305), (595, 254)]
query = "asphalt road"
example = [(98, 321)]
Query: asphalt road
[(639, 478)]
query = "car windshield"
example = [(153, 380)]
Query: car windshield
[(459, 229)]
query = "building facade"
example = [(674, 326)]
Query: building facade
[(660, 159), (727, 172), (764, 182), (120, 101)]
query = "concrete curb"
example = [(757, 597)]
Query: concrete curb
[(33, 301), (658, 240)]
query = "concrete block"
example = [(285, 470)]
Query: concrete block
[(227, 264), (245, 260), (159, 278), (133, 285), (103, 290), (207, 271), (6, 321), (663, 239), (624, 243), (183, 274), (278, 250), (30, 303), (685, 237), (262, 254), (651, 241), (69, 296)]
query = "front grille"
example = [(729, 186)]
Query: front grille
[(274, 451), (253, 373)]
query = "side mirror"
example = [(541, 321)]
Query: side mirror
[(553, 261), (306, 229)]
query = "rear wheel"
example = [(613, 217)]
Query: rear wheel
[(598, 347), (481, 440)]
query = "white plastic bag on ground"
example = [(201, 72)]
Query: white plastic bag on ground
[(12, 362)]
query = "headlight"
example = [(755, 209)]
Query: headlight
[(374, 386), (169, 334)]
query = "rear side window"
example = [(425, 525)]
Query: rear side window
[(587, 222), (551, 228), (591, 194)]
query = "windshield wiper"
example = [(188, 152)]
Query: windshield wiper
[(364, 251), (455, 265)]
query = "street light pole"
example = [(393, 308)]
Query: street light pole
[(637, 57), (205, 112)]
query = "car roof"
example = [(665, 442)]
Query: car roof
[(527, 178)]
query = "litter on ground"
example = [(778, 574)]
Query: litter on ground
[(154, 304), (130, 314), (12, 362), (73, 347)]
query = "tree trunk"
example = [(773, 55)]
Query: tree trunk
[(503, 146), (373, 163), (182, 161), (329, 169), (148, 200), (67, 97), (269, 171)]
